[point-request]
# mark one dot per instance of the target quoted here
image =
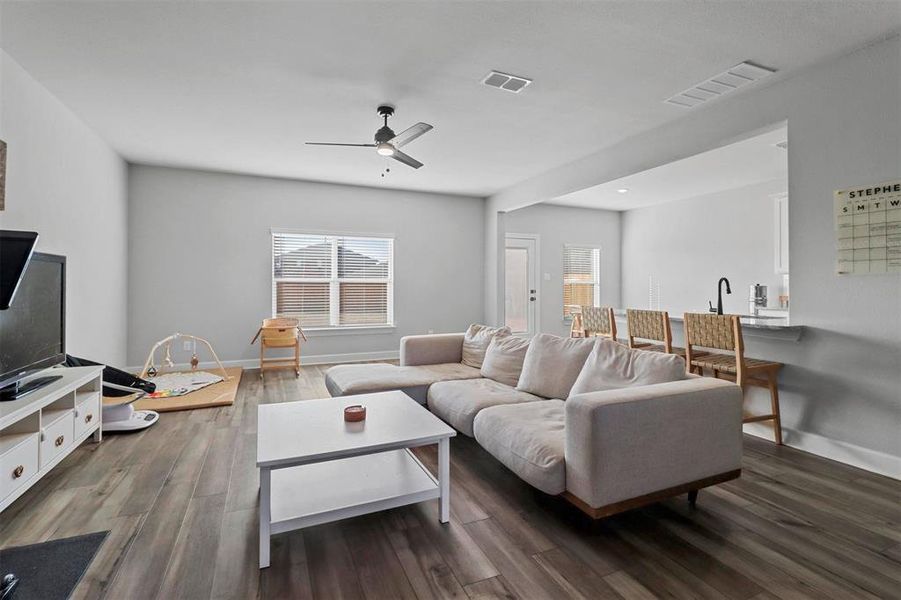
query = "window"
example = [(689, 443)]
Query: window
[(581, 278), (333, 281)]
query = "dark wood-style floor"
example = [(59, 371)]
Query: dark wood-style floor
[(180, 502)]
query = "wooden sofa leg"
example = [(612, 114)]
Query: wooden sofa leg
[(693, 498)]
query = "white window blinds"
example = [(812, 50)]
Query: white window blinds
[(333, 280), (581, 278)]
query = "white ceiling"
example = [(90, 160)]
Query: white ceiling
[(754, 160), (240, 86)]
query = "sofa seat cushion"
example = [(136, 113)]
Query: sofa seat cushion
[(613, 366), (529, 440), (458, 402), (349, 380)]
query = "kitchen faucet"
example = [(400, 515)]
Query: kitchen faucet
[(719, 295)]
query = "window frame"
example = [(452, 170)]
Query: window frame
[(334, 281), (596, 281)]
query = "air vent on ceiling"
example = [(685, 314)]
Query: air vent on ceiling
[(783, 145), (720, 85), (508, 83)]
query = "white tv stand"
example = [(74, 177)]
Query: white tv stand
[(41, 429)]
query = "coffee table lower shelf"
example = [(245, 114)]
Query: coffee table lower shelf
[(308, 495)]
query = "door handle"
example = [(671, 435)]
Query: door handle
[(532, 299)]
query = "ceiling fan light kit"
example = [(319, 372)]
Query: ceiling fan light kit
[(387, 142)]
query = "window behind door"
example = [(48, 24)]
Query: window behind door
[(581, 278)]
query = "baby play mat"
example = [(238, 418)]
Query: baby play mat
[(170, 385), (214, 394)]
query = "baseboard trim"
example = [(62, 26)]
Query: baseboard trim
[(351, 357), (312, 359), (843, 452)]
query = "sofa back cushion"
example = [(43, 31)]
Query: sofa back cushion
[(503, 359), (552, 365), (476, 340), (611, 366)]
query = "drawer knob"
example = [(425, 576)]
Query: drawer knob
[(59, 441), (88, 417), (17, 472)]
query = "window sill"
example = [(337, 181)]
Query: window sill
[(330, 331)]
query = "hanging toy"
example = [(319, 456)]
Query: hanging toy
[(168, 362), (194, 360), (150, 369)]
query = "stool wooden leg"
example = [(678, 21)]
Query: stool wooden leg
[(262, 354), (774, 401), (297, 359), (693, 498)]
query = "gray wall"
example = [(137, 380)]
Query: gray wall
[(201, 261), (560, 225), (686, 246), (841, 381), (64, 182)]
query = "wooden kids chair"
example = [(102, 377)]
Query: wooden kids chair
[(282, 332), (723, 332)]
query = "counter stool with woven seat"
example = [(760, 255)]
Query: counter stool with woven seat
[(723, 332), (649, 326), (594, 321)]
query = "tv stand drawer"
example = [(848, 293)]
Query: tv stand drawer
[(18, 461), (87, 412), (58, 436)]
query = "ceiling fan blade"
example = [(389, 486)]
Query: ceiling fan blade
[(332, 144), (406, 159), (408, 135)]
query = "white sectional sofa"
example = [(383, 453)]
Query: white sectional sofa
[(629, 428)]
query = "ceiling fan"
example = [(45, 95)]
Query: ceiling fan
[(387, 142)]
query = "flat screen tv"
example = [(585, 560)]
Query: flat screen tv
[(33, 328)]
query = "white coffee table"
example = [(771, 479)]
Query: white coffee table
[(316, 468)]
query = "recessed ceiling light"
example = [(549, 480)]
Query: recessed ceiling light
[(623, 190)]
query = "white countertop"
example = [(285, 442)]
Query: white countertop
[(764, 327)]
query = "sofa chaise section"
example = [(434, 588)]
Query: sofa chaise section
[(350, 380), (424, 360)]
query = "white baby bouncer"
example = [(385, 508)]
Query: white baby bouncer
[(123, 416)]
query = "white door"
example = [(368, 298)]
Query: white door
[(521, 284)]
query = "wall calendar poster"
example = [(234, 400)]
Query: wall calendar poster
[(868, 229)]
